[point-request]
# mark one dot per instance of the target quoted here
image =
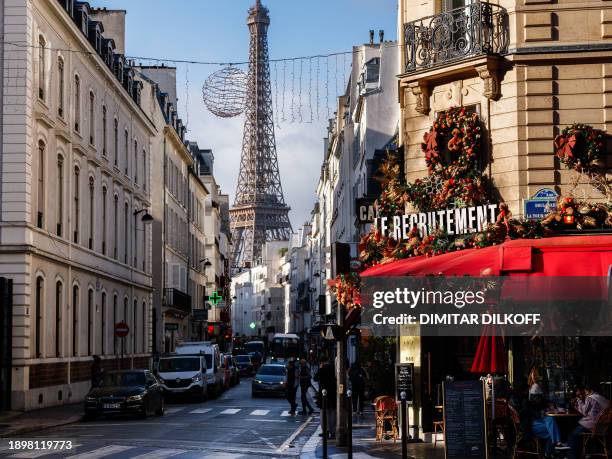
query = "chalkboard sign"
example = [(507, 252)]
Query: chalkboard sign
[(404, 380), (465, 434)]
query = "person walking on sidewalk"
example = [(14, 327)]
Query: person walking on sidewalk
[(305, 383), (292, 383), (326, 377), (357, 376)]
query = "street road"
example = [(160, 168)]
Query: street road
[(230, 427)]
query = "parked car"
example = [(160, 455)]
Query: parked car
[(244, 365), (231, 370), (270, 379), (184, 375), (126, 392)]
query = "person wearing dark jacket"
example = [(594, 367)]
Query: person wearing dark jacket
[(326, 377), (305, 382), (97, 372), (357, 376), (292, 383)]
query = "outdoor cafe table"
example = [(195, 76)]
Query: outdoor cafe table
[(567, 422)]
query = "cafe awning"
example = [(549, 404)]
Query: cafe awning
[(553, 256)]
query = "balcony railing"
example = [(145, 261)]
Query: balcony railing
[(178, 300), (477, 29)]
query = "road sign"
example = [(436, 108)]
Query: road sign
[(121, 329), (541, 204)]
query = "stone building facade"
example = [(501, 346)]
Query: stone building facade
[(75, 149), (527, 67)]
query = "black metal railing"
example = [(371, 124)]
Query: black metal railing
[(177, 300), (477, 29)]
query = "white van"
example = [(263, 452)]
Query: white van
[(184, 374), (214, 372)]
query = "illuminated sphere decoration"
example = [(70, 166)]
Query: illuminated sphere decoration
[(225, 91)]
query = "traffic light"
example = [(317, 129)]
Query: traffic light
[(211, 330)]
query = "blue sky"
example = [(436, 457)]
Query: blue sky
[(215, 30)]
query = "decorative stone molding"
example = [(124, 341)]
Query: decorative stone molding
[(422, 92), (491, 81)]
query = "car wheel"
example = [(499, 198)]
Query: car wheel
[(161, 409)]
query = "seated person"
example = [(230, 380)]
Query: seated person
[(590, 404), (533, 421)]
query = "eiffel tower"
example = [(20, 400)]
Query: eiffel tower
[(259, 213)]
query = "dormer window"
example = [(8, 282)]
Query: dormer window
[(120, 69), (84, 22)]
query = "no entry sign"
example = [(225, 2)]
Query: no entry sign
[(121, 329)]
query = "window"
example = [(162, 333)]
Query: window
[(114, 322), (60, 194), (115, 141), (77, 210), (144, 170), (103, 325), (92, 100), (60, 87), (115, 226), (135, 246), (41, 185), (41, 67), (91, 213), (135, 328), (126, 232), (135, 161), (58, 318), (104, 220), (38, 318), (75, 323), (77, 103), (144, 326), (89, 321), (125, 319), (127, 151), (104, 133)]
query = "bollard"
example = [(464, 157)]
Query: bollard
[(404, 425), (324, 421), (349, 422)]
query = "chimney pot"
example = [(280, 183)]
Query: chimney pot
[(371, 37)]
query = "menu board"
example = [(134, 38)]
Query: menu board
[(404, 381), (465, 434)]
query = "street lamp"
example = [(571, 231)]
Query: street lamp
[(146, 218)]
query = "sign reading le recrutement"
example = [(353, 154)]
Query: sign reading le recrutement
[(458, 221), (465, 431)]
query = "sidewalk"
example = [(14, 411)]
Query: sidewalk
[(365, 444), (14, 423)]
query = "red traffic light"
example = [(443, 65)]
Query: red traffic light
[(211, 329)]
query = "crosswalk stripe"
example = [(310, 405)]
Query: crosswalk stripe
[(230, 411), (285, 413), (201, 411), (40, 453), (102, 452), (259, 412), (173, 410), (160, 454)]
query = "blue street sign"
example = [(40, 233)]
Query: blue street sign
[(542, 203)]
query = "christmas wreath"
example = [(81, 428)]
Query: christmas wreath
[(581, 147)]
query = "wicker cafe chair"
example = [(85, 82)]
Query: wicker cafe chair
[(523, 444), (599, 438), (386, 415)]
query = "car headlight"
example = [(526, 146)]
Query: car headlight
[(197, 377), (282, 383), (257, 381), (134, 398)]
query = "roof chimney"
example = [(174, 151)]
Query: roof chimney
[(381, 35), (371, 37)]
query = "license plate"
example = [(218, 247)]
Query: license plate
[(112, 406)]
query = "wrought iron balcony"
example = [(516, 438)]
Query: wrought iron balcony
[(178, 300), (473, 30)]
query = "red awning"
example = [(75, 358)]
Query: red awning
[(582, 256)]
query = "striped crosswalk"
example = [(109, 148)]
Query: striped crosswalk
[(182, 411)]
